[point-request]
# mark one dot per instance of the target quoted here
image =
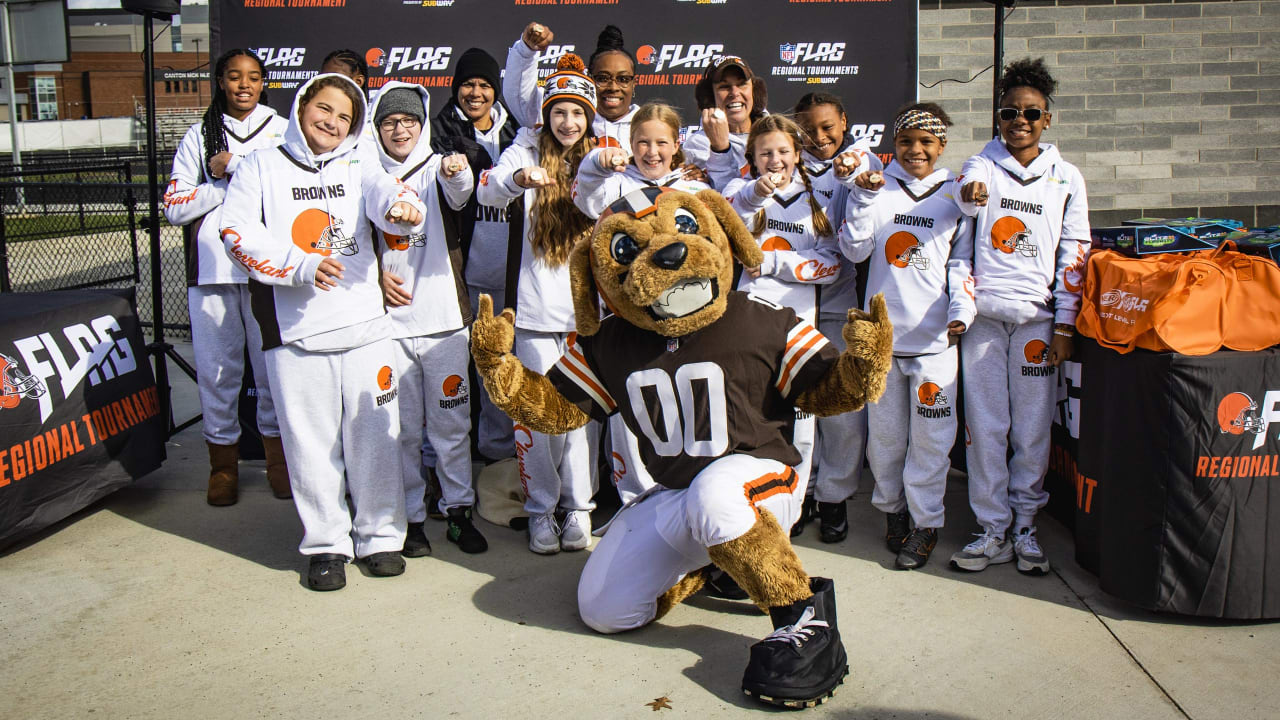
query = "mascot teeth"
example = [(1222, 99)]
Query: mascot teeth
[(683, 298)]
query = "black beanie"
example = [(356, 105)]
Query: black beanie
[(399, 100), (477, 63)]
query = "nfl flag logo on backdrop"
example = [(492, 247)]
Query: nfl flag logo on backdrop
[(787, 52)]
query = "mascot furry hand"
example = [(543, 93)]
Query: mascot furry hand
[(708, 380)]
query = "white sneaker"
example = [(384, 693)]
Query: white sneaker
[(544, 534), (1031, 559), (988, 549), (576, 534)]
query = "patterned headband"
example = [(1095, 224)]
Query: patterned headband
[(921, 120)]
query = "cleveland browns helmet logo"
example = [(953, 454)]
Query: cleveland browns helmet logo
[(454, 386), (404, 242), (1010, 235), (385, 378), (1036, 352), (16, 384), (1238, 414), (775, 243), (316, 231), (930, 394), (902, 249)]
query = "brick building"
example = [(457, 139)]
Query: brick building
[(110, 84)]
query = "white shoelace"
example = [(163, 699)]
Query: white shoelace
[(548, 520), (985, 540), (1027, 544), (799, 632)]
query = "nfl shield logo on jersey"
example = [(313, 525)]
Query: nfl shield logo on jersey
[(787, 53), (673, 344)]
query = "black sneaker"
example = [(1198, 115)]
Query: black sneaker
[(719, 585), (463, 533), (808, 511), (916, 549), (384, 564), (898, 526), (415, 541), (327, 571), (802, 661), (833, 522)]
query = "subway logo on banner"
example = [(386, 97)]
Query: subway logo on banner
[(399, 59), (1239, 414), (674, 56), (280, 57)]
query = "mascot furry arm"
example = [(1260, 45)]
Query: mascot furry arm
[(639, 290)]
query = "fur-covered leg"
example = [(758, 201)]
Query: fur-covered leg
[(764, 564), (686, 586)]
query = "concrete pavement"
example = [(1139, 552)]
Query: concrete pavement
[(152, 604)]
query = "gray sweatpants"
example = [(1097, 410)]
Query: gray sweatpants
[(912, 430), (435, 393), (222, 326), (340, 422), (841, 439), (1009, 394)]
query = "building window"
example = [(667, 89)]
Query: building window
[(168, 87), (46, 98)]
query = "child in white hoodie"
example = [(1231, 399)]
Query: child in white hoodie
[(430, 332), (222, 325), (920, 246), (1030, 248), (298, 219)]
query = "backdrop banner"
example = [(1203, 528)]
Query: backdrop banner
[(863, 52)]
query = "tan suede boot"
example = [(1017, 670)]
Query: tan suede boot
[(277, 467), (764, 564), (224, 474)]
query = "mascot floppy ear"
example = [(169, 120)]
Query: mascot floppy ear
[(582, 284), (741, 243)]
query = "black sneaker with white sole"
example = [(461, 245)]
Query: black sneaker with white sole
[(718, 584), (802, 661), (833, 522)]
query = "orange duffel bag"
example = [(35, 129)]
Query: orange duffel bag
[(1190, 303)]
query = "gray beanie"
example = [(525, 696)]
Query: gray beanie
[(399, 100)]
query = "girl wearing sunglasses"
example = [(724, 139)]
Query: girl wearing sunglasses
[(1032, 239)]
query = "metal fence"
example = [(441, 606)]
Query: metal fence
[(75, 225)]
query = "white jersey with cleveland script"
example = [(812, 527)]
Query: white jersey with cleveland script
[(1032, 236), (919, 245), (195, 196), (796, 259)]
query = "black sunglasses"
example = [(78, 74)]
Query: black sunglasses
[(1011, 114)]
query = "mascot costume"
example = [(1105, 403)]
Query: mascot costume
[(709, 380)]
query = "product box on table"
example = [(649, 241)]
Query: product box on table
[(1148, 236), (1263, 241)]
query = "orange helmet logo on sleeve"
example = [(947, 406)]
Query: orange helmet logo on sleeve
[(1010, 235), (775, 243), (1036, 352), (930, 394), (902, 249), (385, 378), (316, 231), (1238, 414)]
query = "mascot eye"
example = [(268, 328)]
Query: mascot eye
[(686, 223), (623, 248)]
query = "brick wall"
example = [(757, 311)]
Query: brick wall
[(1168, 108)]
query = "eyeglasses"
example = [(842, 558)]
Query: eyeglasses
[(1011, 114), (390, 124), (605, 79)]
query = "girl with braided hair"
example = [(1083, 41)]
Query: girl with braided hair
[(778, 203), (222, 325)]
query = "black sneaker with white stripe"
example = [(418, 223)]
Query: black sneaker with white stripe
[(802, 661)]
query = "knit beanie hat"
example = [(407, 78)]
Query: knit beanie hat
[(399, 100), (569, 82), (476, 63)]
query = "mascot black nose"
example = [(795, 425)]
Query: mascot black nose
[(671, 256)]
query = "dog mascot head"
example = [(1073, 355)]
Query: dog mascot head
[(662, 260)]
